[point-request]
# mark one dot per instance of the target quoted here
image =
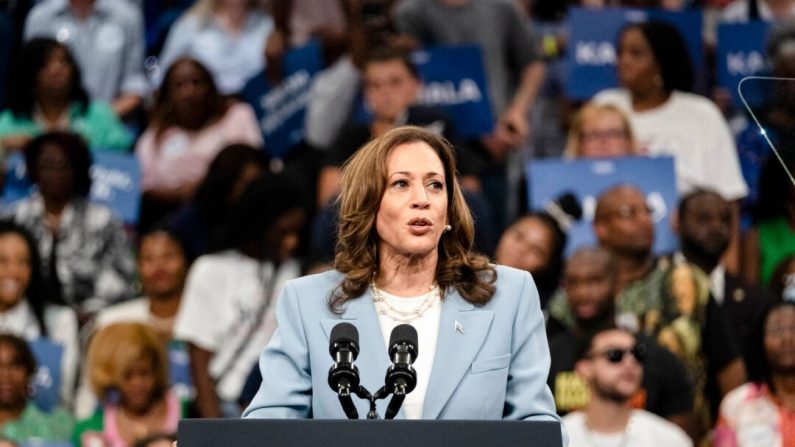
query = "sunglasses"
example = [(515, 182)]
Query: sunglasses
[(616, 355)]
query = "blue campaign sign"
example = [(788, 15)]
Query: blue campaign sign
[(47, 379), (588, 178), (281, 108), (179, 369), (592, 50), (741, 53), (115, 182), (454, 78)]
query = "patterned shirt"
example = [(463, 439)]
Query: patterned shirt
[(95, 265), (751, 416)]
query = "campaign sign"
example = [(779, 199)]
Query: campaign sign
[(47, 379), (588, 178), (741, 53), (592, 51), (281, 108), (454, 79), (115, 182), (179, 370)]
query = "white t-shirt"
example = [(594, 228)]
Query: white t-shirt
[(224, 295), (643, 430), (427, 327), (692, 130), (132, 311)]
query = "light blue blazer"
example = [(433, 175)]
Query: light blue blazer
[(494, 368)]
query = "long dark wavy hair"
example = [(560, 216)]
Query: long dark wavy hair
[(32, 59), (363, 184), (34, 293)]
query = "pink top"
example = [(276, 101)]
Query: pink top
[(111, 430), (182, 157)]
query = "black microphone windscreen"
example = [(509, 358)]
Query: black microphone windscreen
[(341, 333), (404, 333)]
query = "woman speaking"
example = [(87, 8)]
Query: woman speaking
[(403, 257)]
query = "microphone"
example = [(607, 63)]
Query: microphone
[(343, 377), (401, 378)]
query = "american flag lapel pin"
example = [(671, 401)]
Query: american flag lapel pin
[(459, 328)]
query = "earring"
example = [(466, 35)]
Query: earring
[(448, 227)]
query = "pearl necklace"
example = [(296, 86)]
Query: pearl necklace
[(384, 308)]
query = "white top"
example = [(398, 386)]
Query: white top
[(224, 294), (427, 327), (233, 59), (691, 129), (644, 430), (738, 11), (61, 322), (132, 311)]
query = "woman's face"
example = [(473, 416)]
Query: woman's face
[(15, 269), (604, 135), (13, 379), (413, 210), (55, 77), (162, 266), (189, 92), (526, 245), (55, 173), (780, 339), (638, 70), (284, 237), (137, 384)]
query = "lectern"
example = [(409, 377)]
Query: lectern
[(353, 433)]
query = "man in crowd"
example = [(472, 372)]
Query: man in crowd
[(611, 363), (589, 281), (704, 227), (666, 300)]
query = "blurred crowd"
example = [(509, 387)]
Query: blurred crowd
[(149, 321)]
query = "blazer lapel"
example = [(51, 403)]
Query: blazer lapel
[(373, 359), (462, 330)]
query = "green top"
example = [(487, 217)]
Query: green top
[(776, 242), (98, 125), (36, 424)]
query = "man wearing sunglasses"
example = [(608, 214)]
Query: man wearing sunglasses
[(611, 363)]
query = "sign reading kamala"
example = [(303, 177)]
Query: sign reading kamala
[(592, 51), (741, 53), (454, 78), (588, 178), (281, 108), (115, 182)]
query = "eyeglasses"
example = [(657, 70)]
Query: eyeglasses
[(629, 212), (616, 355)]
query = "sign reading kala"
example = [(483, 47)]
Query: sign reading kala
[(593, 53)]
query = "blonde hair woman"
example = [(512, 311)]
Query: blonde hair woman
[(599, 131), (128, 371)]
